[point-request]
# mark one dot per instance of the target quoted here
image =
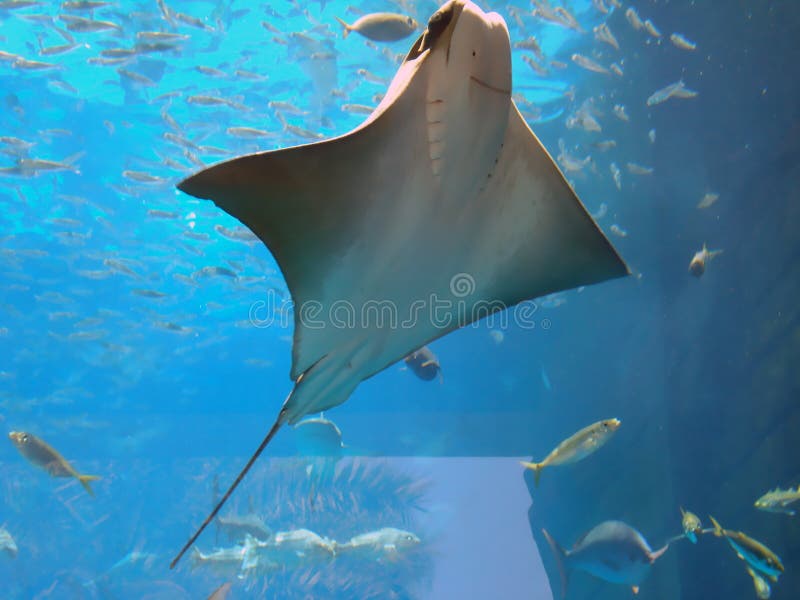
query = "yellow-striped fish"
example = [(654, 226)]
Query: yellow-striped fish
[(41, 454), (576, 447)]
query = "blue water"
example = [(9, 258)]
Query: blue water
[(124, 351)]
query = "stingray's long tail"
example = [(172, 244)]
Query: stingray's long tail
[(275, 427)]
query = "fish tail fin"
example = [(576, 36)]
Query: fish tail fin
[(561, 556), (717, 527), (536, 468), (196, 558), (657, 554), (346, 27), (85, 479)]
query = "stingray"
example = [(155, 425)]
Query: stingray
[(440, 208)]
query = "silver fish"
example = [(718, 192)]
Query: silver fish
[(381, 27), (778, 501), (673, 90), (612, 551), (374, 544), (588, 64), (577, 446), (7, 544), (680, 41)]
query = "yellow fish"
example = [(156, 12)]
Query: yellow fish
[(41, 454), (576, 447)]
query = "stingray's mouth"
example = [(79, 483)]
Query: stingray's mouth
[(490, 87)]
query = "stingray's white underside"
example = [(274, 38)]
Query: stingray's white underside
[(442, 190)]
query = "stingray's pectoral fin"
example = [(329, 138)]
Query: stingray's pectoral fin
[(542, 239)]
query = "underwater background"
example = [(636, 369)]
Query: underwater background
[(131, 338)]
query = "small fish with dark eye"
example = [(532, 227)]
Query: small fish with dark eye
[(381, 27), (388, 541), (424, 364), (697, 266), (576, 447), (42, 455)]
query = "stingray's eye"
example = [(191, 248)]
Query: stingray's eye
[(25, 438), (411, 22), (439, 22), (436, 26)]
